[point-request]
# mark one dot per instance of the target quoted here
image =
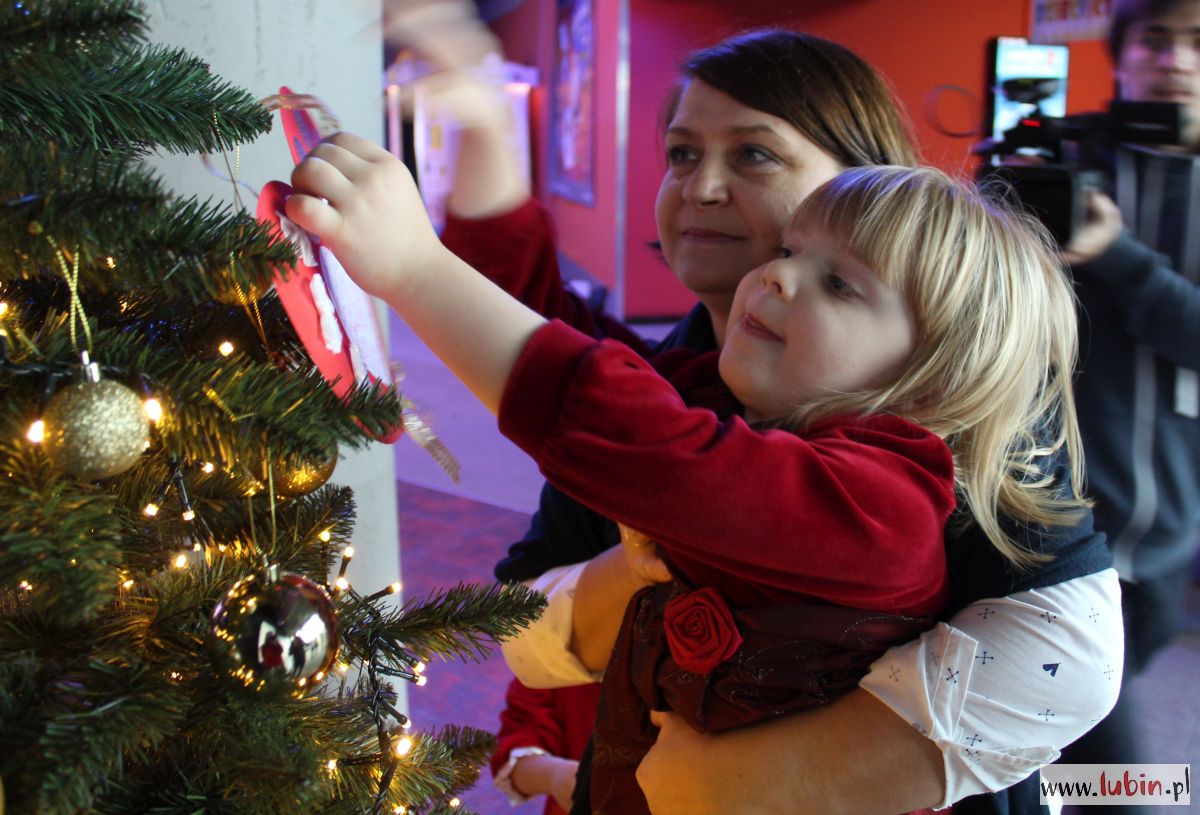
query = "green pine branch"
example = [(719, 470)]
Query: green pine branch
[(31, 26), (127, 100), (464, 621)]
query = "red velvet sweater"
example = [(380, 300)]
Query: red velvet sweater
[(851, 512)]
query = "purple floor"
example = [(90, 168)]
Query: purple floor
[(449, 539)]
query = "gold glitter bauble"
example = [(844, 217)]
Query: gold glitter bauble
[(95, 429), (294, 475)]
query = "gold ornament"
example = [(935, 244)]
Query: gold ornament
[(95, 428), (295, 476), (275, 629)]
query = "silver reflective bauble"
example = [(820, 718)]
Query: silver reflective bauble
[(273, 630)]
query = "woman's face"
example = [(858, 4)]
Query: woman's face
[(735, 176)]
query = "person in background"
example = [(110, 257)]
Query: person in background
[(1137, 270), (768, 117), (543, 732)]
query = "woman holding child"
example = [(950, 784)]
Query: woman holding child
[(746, 144)]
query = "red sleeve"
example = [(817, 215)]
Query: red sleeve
[(529, 719), (516, 251), (852, 514)]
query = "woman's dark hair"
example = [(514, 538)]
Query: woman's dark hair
[(826, 91), (1127, 12)]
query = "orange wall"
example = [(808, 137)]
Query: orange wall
[(944, 43)]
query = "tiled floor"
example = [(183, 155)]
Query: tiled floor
[(456, 531)]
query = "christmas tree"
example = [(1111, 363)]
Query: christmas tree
[(168, 638)]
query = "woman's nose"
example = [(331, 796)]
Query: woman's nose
[(706, 186)]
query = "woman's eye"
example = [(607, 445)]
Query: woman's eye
[(755, 155)]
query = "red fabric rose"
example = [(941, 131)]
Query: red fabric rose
[(700, 631)]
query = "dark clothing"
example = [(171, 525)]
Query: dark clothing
[(1139, 401)]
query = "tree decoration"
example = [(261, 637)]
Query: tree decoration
[(111, 700), (297, 475), (277, 629), (95, 428)]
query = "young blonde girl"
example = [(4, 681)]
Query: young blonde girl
[(911, 345)]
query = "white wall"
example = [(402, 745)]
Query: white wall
[(331, 49)]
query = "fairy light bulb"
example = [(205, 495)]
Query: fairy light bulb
[(422, 680), (348, 552), (110, 262), (394, 588), (225, 348), (331, 765), (342, 583), (25, 585), (207, 467), (153, 408), (455, 803), (128, 584), (150, 510), (325, 536), (188, 515), (404, 746), (419, 668), (181, 560), (36, 432)]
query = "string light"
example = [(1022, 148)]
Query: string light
[(325, 536), (25, 585), (455, 803), (422, 680), (189, 515), (331, 765), (181, 560), (404, 746), (36, 432), (3, 308), (110, 262), (393, 588), (347, 555), (207, 467), (226, 348), (153, 408), (342, 584), (128, 584), (150, 510)]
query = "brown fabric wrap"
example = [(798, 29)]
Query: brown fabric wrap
[(794, 657)]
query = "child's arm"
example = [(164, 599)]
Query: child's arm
[(362, 203)]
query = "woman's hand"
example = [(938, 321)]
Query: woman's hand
[(852, 757), (643, 557), (363, 204)]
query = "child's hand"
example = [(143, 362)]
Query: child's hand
[(642, 556), (562, 786), (362, 203)]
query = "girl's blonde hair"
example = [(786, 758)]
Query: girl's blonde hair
[(995, 312)]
